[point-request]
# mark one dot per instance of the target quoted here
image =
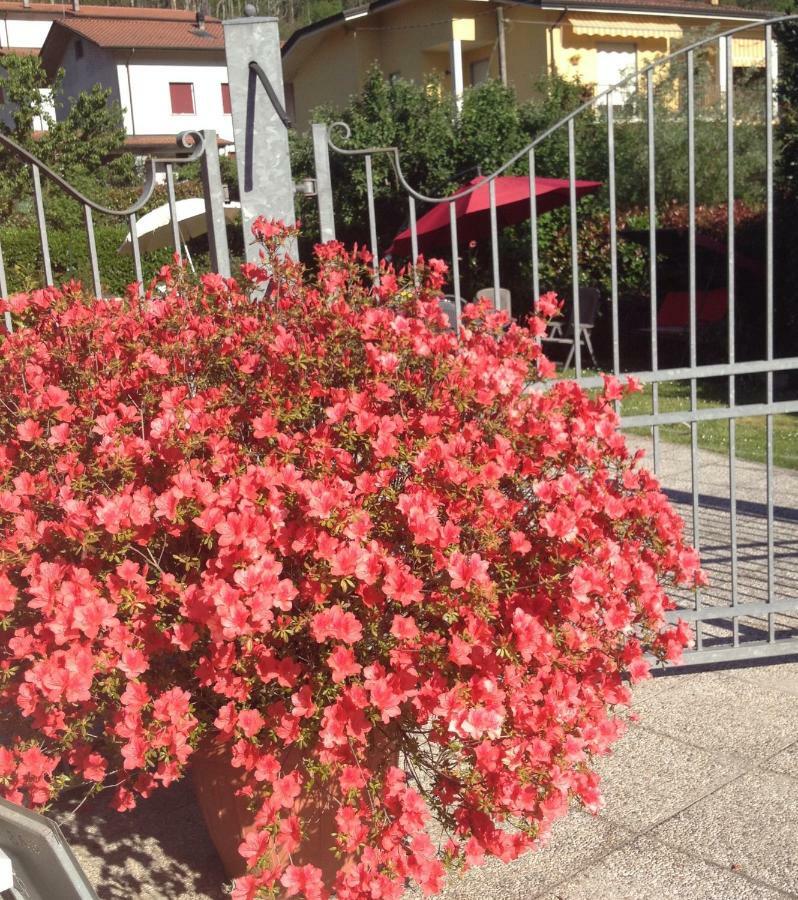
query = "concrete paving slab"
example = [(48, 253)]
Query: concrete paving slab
[(576, 842), (780, 677), (645, 870), (785, 762), (750, 824), (651, 776), (647, 692), (725, 714)]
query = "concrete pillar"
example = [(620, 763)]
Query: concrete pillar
[(500, 31), (456, 53), (724, 48), (462, 30), (213, 191), (260, 134)]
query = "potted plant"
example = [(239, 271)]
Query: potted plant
[(344, 562)]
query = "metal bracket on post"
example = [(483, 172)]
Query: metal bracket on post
[(261, 135), (324, 194), (214, 205)]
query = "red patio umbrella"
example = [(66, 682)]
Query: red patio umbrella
[(473, 210)]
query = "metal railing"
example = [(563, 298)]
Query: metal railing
[(198, 146), (727, 624)]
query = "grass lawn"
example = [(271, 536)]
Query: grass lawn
[(714, 435)]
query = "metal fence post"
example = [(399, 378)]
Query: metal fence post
[(261, 136), (324, 194), (214, 205)]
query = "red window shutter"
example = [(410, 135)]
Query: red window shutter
[(182, 95), (227, 108)]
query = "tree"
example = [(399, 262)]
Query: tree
[(78, 147), (29, 93)]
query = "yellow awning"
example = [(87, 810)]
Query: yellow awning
[(620, 27), (748, 53)]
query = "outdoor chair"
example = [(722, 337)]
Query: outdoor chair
[(562, 332), (505, 299), (711, 308), (673, 323), (448, 304)]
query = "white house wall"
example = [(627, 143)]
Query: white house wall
[(24, 32), (151, 104)]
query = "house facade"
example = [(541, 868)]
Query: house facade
[(467, 41), (165, 67)]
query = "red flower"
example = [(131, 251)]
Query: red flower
[(305, 881), (337, 624), (342, 663), (305, 529)]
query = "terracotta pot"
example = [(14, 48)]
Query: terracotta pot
[(228, 819), (227, 816)]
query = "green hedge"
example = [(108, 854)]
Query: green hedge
[(69, 256)]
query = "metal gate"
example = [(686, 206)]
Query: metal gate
[(190, 146), (741, 513)]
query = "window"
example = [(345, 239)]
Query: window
[(78, 49), (182, 96), (613, 63), (480, 71), (227, 108)]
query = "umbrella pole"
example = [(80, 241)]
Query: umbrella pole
[(188, 255), (190, 260)]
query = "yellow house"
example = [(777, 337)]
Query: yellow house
[(467, 41)]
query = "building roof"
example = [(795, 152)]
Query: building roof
[(686, 8), (683, 7), (126, 28), (59, 10), (19, 51), (132, 32)]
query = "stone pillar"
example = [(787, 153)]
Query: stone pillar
[(261, 136)]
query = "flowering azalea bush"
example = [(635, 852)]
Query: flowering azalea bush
[(297, 513)]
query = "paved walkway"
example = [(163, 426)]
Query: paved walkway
[(702, 796)]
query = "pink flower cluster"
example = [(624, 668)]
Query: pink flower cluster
[(322, 530)]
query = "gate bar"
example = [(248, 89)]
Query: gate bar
[(324, 192), (90, 238), (731, 290), (455, 264), (533, 221), (652, 254), (375, 262), (616, 342), (769, 305), (170, 192), (574, 249), (42, 222)]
